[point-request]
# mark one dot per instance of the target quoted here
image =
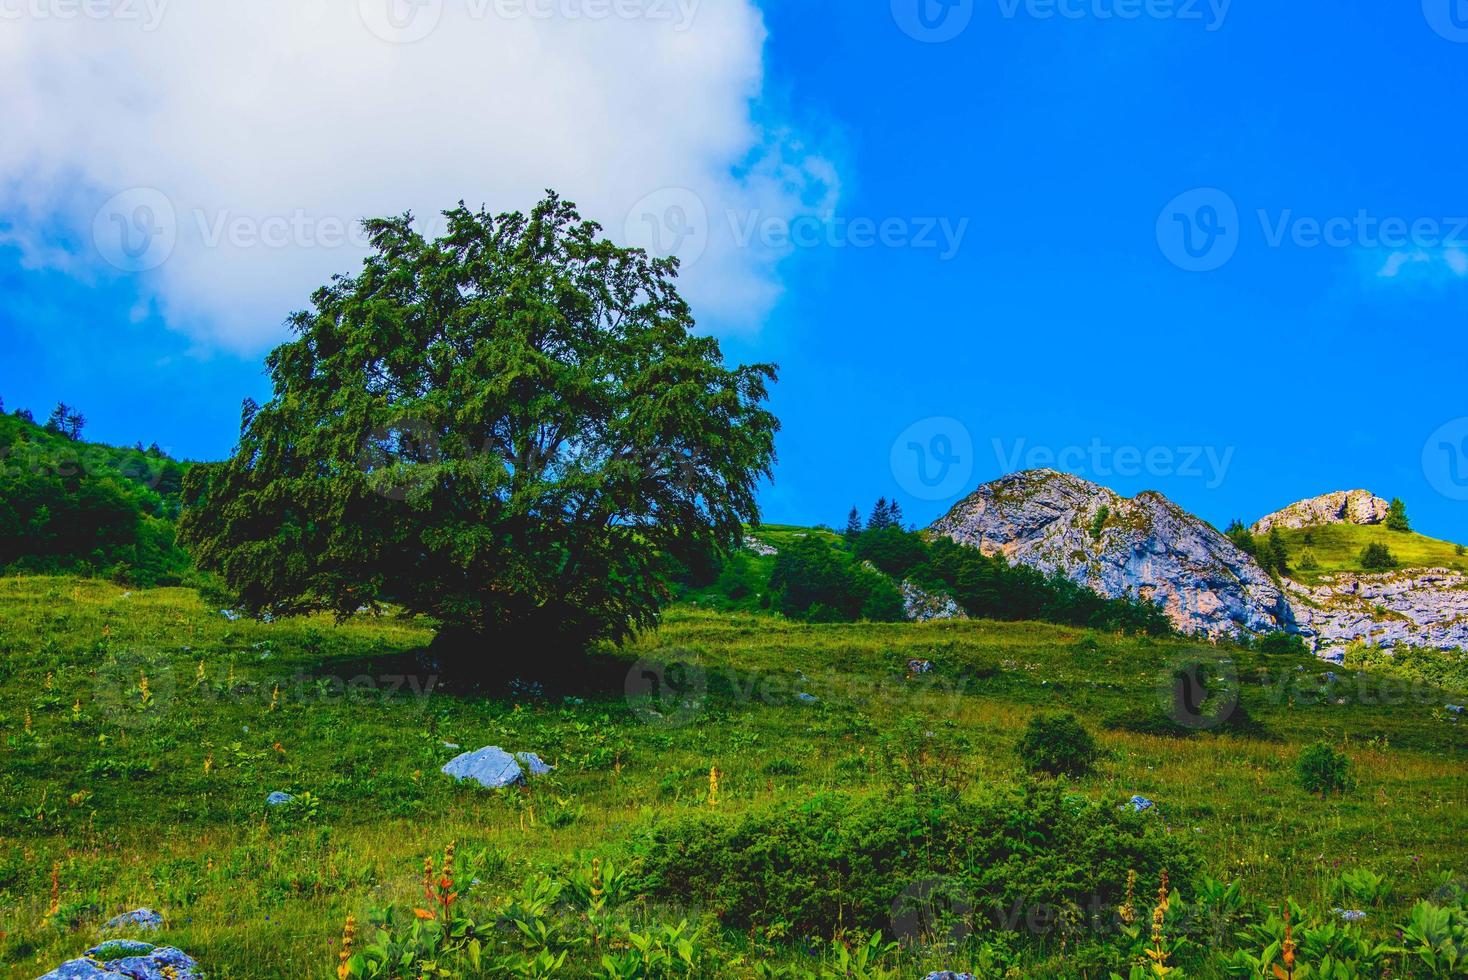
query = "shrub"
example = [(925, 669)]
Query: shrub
[(893, 550), (1058, 745), (815, 581), (835, 860), (1281, 643), (1377, 557), (1324, 770), (1308, 561)]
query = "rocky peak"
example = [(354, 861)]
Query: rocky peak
[(1340, 507), (1146, 547)]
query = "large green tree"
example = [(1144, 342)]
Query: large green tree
[(511, 428)]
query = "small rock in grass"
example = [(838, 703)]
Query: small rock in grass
[(916, 666), (804, 698), (948, 975), (1349, 915), (494, 768), (136, 919), (1140, 803), (1455, 709), (452, 745), (278, 798)]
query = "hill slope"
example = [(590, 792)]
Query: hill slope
[(159, 801), (67, 505), (1422, 602), (1337, 548)]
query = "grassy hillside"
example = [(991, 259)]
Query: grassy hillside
[(68, 505), (122, 792), (1338, 547)]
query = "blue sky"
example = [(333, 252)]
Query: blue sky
[(1103, 249)]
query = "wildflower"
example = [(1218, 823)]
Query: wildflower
[(50, 680), (55, 907), (144, 691), (349, 933), (713, 786), (208, 764), (1128, 911), (28, 721), (275, 699), (199, 676), (76, 711), (1288, 950), (439, 892), (1157, 954)]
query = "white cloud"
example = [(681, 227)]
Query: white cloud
[(257, 132), (1435, 264)]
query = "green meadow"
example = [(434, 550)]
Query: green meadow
[(143, 730), (1338, 547)]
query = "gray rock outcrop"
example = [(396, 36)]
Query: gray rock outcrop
[(1146, 547), (921, 606), (140, 961), (1421, 607), (1340, 507)]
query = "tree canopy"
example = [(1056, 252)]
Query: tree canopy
[(511, 428)]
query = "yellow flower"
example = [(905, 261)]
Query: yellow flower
[(349, 933)]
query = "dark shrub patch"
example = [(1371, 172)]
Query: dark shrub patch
[(1058, 745), (1323, 770), (841, 860)]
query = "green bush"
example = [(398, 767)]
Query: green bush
[(893, 550), (815, 581), (1058, 745), (838, 861), (1322, 769), (1281, 643), (1377, 557)]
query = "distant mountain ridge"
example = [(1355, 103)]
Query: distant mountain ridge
[(1145, 546)]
